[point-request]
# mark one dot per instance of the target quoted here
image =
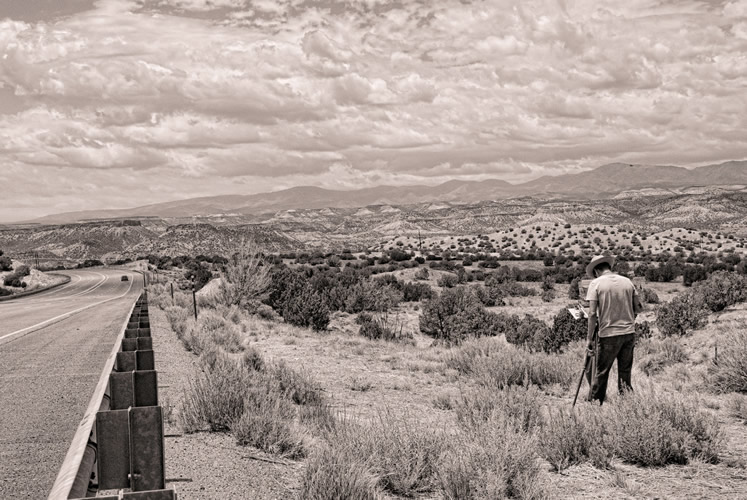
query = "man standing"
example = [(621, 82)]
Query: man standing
[(613, 306)]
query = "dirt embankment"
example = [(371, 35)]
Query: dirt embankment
[(35, 281)]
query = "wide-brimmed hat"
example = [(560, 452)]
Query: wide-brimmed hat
[(596, 260)]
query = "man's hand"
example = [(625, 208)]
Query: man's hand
[(590, 345)]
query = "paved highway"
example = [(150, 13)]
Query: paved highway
[(53, 347)]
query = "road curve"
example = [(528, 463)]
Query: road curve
[(53, 347)]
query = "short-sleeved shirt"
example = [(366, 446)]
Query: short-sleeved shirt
[(614, 295)]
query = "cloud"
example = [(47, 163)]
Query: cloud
[(194, 97)]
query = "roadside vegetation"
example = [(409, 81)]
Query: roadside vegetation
[(471, 395)]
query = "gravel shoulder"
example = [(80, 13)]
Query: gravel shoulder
[(209, 465)]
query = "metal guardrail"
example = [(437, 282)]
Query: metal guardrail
[(119, 444)]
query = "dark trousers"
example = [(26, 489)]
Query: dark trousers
[(618, 348)]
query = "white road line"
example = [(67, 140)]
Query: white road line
[(44, 300), (65, 315), (94, 287), (66, 285)]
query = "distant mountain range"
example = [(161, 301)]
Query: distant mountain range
[(608, 181)]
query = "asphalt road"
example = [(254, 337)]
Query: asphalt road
[(53, 347)]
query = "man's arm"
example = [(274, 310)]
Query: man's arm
[(592, 323)]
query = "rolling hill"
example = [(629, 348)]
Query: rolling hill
[(362, 227)]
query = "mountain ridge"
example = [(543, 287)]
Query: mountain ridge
[(603, 182)]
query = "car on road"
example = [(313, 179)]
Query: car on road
[(125, 278)]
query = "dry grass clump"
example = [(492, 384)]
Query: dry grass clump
[(383, 326), (215, 398), (297, 385), (406, 454), (391, 454), (646, 428), (159, 295), (177, 317), (518, 406), (488, 457), (213, 327), (443, 401), (660, 354), (268, 423), (495, 363), (260, 403), (573, 437), (737, 407), (491, 461), (336, 472), (729, 372), (495, 454), (652, 428)]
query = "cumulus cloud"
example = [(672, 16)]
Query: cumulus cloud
[(196, 97)]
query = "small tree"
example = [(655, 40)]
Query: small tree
[(455, 315), (682, 314), (5, 263), (722, 289), (307, 308), (566, 328), (246, 276)]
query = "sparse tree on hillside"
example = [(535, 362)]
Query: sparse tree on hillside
[(5, 263), (246, 276)]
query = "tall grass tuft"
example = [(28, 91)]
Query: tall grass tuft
[(215, 398), (177, 317), (729, 372), (569, 438), (211, 328), (647, 428), (267, 423), (494, 363), (518, 406), (336, 473), (737, 407), (495, 454), (652, 428), (407, 453), (491, 461), (261, 404), (661, 353), (400, 455), (296, 384)]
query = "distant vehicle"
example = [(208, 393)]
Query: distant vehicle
[(125, 278)]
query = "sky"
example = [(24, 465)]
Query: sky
[(122, 103)]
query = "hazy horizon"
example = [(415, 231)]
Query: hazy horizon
[(123, 103)]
